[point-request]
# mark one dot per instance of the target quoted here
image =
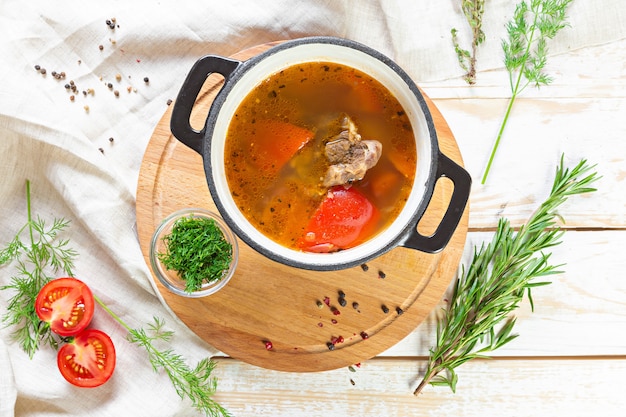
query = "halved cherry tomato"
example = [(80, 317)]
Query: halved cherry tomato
[(89, 360), (66, 304), (344, 219), (276, 142)]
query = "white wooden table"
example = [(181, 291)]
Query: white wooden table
[(570, 356)]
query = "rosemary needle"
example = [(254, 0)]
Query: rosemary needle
[(498, 277)]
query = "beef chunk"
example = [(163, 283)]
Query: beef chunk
[(349, 156)]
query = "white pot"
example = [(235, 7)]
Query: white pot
[(242, 77)]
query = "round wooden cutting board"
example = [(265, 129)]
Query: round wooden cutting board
[(269, 302)]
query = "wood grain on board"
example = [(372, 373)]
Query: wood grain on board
[(268, 301)]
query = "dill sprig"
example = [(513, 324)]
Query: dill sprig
[(42, 253), (498, 277), (473, 11), (197, 250), (196, 384), (526, 51)]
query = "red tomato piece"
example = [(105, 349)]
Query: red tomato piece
[(66, 304), (344, 219), (276, 142), (89, 360)]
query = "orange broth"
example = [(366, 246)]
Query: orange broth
[(274, 146)]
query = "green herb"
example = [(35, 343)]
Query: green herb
[(45, 251), (526, 50), (40, 254), (498, 277), (197, 250), (197, 384), (473, 10)]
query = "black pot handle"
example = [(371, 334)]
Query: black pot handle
[(462, 186), (181, 113)]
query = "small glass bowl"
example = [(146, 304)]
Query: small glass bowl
[(170, 278)]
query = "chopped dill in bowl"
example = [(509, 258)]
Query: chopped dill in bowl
[(198, 251)]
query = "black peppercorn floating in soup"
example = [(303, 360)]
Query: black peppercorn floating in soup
[(320, 157)]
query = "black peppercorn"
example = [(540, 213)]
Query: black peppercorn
[(399, 311), (146, 80), (330, 346), (385, 309), (342, 301)]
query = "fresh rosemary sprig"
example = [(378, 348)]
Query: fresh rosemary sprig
[(498, 277), (473, 10), (526, 50), (41, 254), (196, 384)]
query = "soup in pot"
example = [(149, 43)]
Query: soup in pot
[(320, 157)]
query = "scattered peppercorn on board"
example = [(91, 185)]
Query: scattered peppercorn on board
[(287, 319)]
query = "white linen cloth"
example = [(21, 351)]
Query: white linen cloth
[(77, 173)]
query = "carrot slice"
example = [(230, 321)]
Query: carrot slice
[(275, 142)]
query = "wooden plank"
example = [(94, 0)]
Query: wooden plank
[(580, 115), (583, 311), (546, 387), (538, 133), (589, 73)]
